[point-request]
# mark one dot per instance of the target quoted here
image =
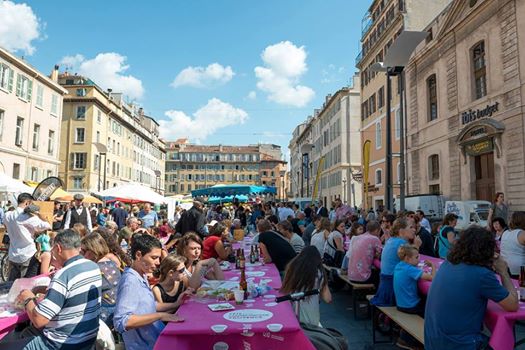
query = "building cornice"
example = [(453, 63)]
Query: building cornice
[(28, 69)]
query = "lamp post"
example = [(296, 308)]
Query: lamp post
[(344, 190), (396, 59), (102, 151)]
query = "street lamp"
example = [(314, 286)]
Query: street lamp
[(305, 150), (344, 190), (396, 59), (102, 151)]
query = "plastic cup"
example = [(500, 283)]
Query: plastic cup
[(239, 296)]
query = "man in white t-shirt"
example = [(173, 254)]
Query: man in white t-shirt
[(21, 225)]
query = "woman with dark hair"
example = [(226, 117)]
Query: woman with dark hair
[(512, 244), (457, 301), (334, 242), (213, 245), (499, 226), (138, 317), (190, 246), (447, 236), (498, 209), (403, 232), (303, 273)]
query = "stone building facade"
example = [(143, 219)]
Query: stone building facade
[(465, 100), (331, 134), (30, 118)]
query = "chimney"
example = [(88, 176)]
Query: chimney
[(328, 97), (54, 74)]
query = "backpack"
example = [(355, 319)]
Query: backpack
[(325, 338)]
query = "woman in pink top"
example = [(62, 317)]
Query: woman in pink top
[(363, 250)]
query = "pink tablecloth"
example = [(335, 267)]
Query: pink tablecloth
[(498, 321), (196, 333), (7, 324)]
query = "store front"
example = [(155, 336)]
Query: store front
[(480, 143)]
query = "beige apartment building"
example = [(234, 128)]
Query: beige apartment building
[(100, 127), (466, 93), (191, 167), (382, 24), (331, 134), (30, 118)]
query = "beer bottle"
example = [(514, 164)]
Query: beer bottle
[(253, 257), (237, 258), (243, 285), (242, 260), (522, 283)]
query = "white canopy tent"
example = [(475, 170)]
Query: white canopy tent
[(132, 193), (12, 187)]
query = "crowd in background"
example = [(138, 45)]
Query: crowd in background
[(147, 264)]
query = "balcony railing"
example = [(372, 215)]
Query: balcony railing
[(359, 58)]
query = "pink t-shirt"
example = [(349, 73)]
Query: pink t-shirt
[(363, 250)]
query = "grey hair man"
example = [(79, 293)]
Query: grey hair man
[(68, 315)]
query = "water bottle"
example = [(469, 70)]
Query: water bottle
[(124, 245)]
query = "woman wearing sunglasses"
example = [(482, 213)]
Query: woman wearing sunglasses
[(171, 282)]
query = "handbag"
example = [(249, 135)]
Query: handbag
[(336, 260), (325, 338)]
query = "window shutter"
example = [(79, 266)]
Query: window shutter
[(10, 81), (29, 89), (18, 85), (72, 159)]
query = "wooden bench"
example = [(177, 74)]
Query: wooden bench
[(359, 290), (412, 324)]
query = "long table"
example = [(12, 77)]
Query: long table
[(498, 321), (248, 325)]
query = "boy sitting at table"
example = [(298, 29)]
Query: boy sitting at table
[(406, 275)]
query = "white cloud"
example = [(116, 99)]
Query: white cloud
[(201, 77), (19, 26), (252, 95), (108, 71), (204, 122), (284, 63)]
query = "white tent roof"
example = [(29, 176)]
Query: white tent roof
[(10, 185), (134, 192)]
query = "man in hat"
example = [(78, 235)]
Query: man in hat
[(21, 225), (78, 214)]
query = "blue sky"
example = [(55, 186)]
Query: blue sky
[(193, 63)]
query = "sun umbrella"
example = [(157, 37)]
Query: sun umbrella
[(132, 193)]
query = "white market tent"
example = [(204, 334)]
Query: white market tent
[(132, 193), (10, 186)]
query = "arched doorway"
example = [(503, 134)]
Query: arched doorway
[(480, 144)]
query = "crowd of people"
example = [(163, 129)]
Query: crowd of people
[(131, 268)]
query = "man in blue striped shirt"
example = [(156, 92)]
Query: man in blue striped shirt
[(68, 316)]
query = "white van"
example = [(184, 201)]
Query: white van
[(469, 212), (301, 201), (431, 204)]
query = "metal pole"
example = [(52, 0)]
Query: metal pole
[(99, 169), (388, 170), (105, 168), (401, 78)]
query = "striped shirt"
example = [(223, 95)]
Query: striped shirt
[(72, 304)]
